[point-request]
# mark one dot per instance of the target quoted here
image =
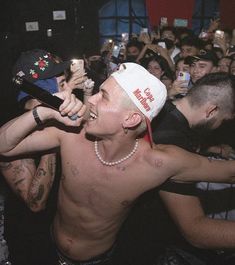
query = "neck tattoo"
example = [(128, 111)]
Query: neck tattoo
[(114, 163)]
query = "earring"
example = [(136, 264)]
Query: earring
[(125, 130)]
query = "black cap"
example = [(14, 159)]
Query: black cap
[(37, 65), (204, 55)]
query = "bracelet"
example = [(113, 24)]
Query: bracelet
[(87, 94), (36, 117)]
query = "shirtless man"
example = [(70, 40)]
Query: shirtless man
[(102, 176)]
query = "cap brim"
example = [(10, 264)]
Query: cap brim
[(191, 59), (63, 66)]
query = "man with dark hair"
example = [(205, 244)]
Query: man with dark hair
[(133, 49), (168, 35), (208, 103), (190, 46), (203, 63), (185, 123)]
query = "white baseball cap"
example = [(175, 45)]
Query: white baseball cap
[(144, 89)]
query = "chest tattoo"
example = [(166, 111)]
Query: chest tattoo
[(121, 168), (74, 171), (158, 163)]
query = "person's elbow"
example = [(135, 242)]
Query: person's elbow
[(199, 233), (195, 240)]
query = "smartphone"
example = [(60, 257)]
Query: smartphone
[(163, 21), (219, 34), (162, 44), (184, 76), (231, 49), (116, 51), (77, 64), (144, 30), (125, 37)]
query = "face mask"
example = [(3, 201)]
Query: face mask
[(131, 58), (169, 43)]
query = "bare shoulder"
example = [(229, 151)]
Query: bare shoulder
[(168, 151), (173, 157), (164, 157)]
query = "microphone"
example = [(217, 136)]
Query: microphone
[(42, 95)]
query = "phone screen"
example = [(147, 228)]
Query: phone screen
[(77, 64), (116, 51), (184, 76)]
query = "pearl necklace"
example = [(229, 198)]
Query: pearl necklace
[(118, 161)]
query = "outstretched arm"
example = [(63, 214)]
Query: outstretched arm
[(198, 229), (28, 182), (188, 167)]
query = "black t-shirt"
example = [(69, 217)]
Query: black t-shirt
[(171, 127)]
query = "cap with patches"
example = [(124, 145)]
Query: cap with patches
[(146, 91), (38, 64)]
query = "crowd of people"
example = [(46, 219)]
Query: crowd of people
[(145, 173)]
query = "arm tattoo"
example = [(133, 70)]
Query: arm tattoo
[(41, 172), (42, 182), (33, 199)]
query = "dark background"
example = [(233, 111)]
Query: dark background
[(73, 37)]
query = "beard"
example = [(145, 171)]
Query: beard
[(204, 128)]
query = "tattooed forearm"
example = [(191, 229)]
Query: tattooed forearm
[(41, 172), (34, 199), (37, 188), (31, 184), (19, 181), (42, 182), (52, 165)]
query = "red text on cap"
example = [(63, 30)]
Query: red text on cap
[(143, 98)]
